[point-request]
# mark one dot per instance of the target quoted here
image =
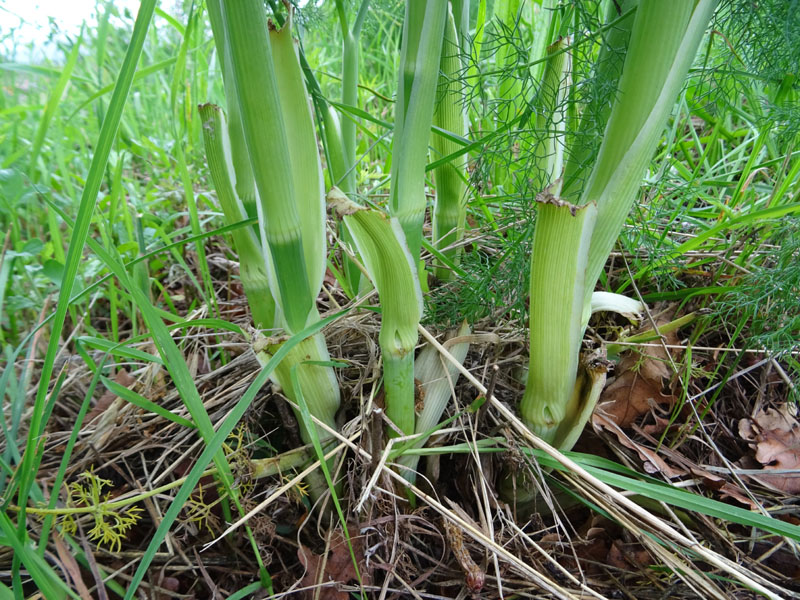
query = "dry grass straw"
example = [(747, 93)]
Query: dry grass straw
[(644, 525), (643, 521), (146, 451)]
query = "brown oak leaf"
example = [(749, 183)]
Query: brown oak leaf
[(775, 436)]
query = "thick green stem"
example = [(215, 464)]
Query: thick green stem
[(244, 182), (382, 246), (558, 273), (343, 158), (436, 377), (590, 380), (663, 44), (398, 384), (350, 60), (270, 92), (461, 11), (451, 191), (341, 135), (317, 384), (252, 267), (303, 154), (507, 13), (569, 248), (421, 49), (595, 115), (551, 113), (268, 149), (543, 34)]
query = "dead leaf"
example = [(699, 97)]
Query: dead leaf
[(107, 399), (593, 547), (627, 556), (652, 462), (106, 412), (775, 436), (71, 566), (724, 488), (329, 279), (337, 568), (588, 550), (659, 425), (643, 381)]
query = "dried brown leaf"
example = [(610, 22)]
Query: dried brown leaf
[(642, 382), (71, 566), (107, 399), (774, 434), (652, 462), (337, 568), (723, 487), (627, 556)]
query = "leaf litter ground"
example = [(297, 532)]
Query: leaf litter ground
[(457, 538)]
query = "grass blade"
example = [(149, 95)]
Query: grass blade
[(31, 457), (213, 446)]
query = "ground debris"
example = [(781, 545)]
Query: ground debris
[(774, 434), (643, 382), (337, 567)]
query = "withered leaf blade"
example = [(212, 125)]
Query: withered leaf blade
[(642, 382), (338, 567), (774, 434)]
